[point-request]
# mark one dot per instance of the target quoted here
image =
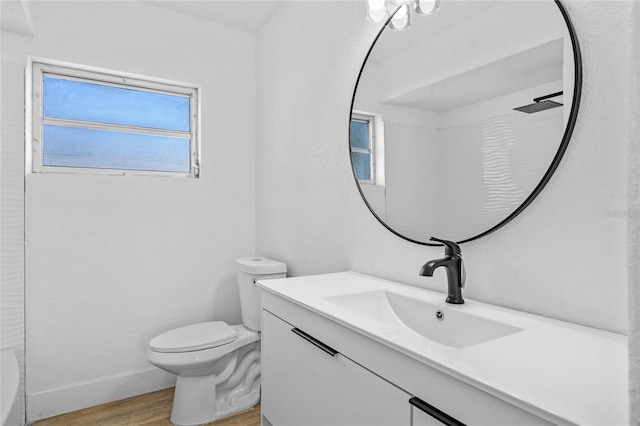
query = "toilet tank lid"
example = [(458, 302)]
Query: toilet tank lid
[(260, 265)]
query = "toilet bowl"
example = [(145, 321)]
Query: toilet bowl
[(218, 365)]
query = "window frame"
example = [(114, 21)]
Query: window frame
[(39, 67), (376, 146), (370, 119)]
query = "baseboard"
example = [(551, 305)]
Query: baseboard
[(50, 403)]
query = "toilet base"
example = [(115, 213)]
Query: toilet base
[(202, 399), (192, 402)]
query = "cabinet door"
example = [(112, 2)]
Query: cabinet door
[(419, 418), (306, 382)]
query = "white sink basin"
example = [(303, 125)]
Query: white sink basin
[(437, 322)]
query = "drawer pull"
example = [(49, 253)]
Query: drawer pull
[(434, 412), (317, 343)]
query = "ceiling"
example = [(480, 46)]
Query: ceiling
[(247, 15), (14, 18), (425, 27), (519, 71)]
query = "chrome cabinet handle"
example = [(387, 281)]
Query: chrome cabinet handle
[(317, 343), (429, 409)]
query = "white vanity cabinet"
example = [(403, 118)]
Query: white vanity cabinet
[(317, 372), (305, 382), (385, 372)]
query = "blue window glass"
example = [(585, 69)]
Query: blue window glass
[(359, 135), (89, 148), (361, 165), (97, 103)]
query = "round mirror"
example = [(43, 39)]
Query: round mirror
[(459, 121)]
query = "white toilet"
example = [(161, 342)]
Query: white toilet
[(218, 365)]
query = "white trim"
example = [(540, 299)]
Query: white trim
[(109, 79), (115, 128), (28, 114), (376, 146), (364, 117), (39, 67), (42, 405), (91, 70)]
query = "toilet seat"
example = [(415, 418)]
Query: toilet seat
[(194, 337)]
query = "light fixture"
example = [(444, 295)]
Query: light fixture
[(401, 19), (399, 11)]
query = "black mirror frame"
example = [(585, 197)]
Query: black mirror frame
[(573, 114)]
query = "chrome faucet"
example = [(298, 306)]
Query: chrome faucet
[(452, 262)]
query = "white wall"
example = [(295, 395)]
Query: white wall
[(113, 261), (564, 257)]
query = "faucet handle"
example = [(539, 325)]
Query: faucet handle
[(450, 247)]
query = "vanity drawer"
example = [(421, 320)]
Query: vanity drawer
[(305, 382)]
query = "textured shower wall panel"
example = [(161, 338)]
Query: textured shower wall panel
[(634, 227), (410, 181), (491, 166), (12, 217)]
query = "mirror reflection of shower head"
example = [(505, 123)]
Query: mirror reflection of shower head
[(540, 104)]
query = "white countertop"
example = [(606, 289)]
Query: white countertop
[(558, 370)]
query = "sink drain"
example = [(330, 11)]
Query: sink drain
[(440, 315)]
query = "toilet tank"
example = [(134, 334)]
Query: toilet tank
[(250, 270)]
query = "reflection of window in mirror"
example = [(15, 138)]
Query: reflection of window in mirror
[(366, 141)]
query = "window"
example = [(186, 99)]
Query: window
[(362, 140), (105, 122)]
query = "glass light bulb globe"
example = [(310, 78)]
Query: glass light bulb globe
[(401, 13), (377, 15), (426, 7), (377, 4), (377, 11), (401, 19)]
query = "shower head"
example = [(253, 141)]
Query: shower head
[(540, 104)]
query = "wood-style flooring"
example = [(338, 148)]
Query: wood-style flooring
[(151, 409)]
